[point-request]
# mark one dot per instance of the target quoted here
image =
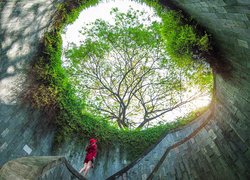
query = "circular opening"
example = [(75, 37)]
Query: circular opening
[(54, 91), (126, 68)]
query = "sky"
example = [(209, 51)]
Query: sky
[(102, 10)]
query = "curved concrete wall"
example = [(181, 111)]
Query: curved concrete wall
[(204, 149), (24, 131), (219, 150), (226, 140), (108, 160), (150, 163), (42, 168)]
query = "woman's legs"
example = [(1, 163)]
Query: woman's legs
[(88, 166), (83, 169)]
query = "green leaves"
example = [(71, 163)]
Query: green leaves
[(88, 49), (180, 38), (56, 92), (126, 70)]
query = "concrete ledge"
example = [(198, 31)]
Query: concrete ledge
[(40, 167)]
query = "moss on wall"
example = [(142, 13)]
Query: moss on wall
[(50, 90)]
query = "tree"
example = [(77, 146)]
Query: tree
[(126, 72)]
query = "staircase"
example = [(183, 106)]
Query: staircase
[(151, 164), (199, 150), (39, 167)]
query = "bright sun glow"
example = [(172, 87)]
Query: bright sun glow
[(102, 11)]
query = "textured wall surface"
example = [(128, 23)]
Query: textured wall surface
[(229, 132), (42, 168), (23, 131), (222, 149), (108, 160), (218, 149), (151, 161)]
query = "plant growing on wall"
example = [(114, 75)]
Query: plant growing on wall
[(126, 72), (52, 89)]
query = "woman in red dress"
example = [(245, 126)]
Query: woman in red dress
[(90, 156)]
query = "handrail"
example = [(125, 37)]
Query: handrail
[(196, 131), (35, 167), (68, 166), (125, 169)]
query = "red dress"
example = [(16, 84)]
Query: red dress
[(91, 153)]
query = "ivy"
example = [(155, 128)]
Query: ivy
[(51, 91)]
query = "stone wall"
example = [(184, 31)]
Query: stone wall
[(149, 164), (216, 152), (24, 131), (222, 149), (108, 160), (229, 23), (42, 168), (219, 150)]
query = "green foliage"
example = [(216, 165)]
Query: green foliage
[(182, 121), (52, 90), (90, 48), (121, 84), (181, 38), (204, 44), (186, 44)]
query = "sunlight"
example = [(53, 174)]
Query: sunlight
[(100, 11), (72, 35)]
